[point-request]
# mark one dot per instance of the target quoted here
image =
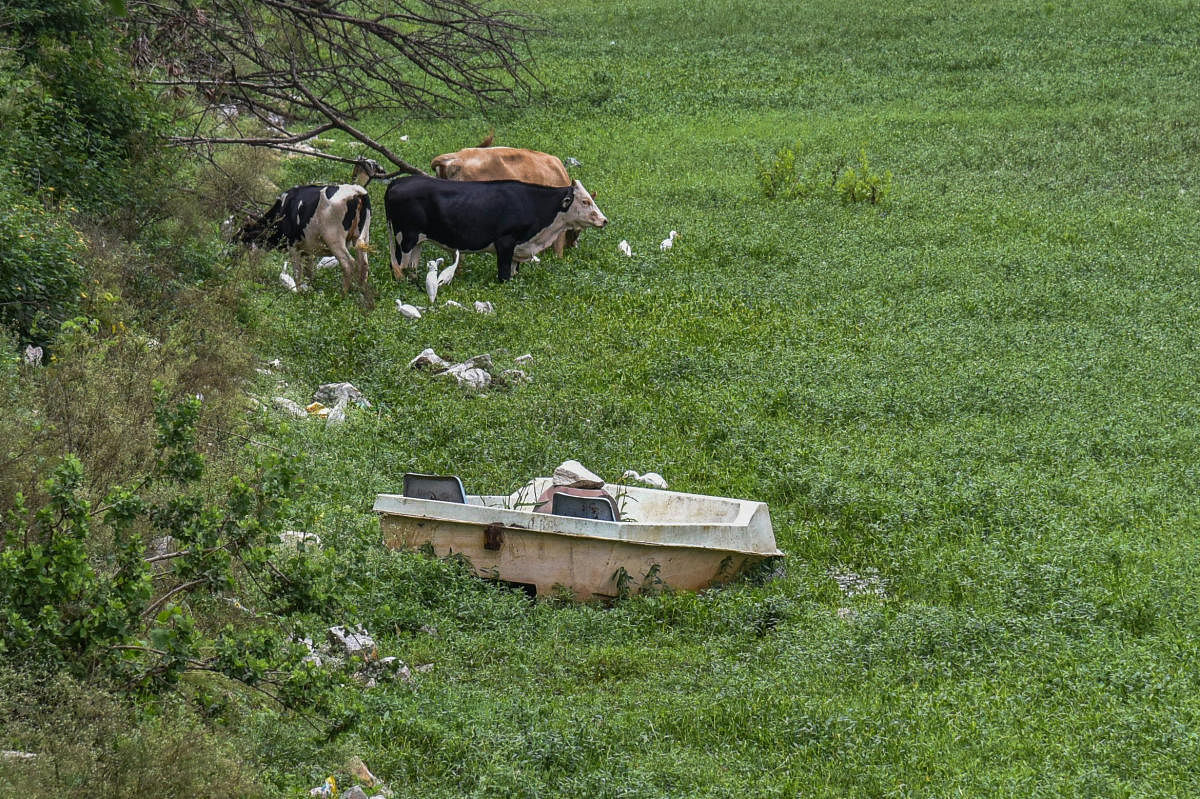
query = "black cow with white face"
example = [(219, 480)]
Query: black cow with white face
[(332, 219), (513, 219)]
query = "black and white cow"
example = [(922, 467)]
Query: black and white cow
[(315, 220), (513, 219)]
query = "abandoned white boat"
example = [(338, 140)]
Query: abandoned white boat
[(597, 544)]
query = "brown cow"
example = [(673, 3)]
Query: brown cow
[(507, 163)]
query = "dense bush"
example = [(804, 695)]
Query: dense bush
[(40, 270), (789, 174), (74, 120)]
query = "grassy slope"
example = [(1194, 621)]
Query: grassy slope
[(987, 393)]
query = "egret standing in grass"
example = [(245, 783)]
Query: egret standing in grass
[(447, 274), (431, 280), (669, 241)]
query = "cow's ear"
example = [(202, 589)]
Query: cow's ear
[(568, 198)]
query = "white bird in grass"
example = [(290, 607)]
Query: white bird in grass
[(431, 280), (652, 479), (625, 249), (446, 275), (287, 280), (407, 310), (669, 241)]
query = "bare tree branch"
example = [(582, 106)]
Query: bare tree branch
[(332, 62)]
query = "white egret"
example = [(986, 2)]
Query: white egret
[(669, 241), (446, 275), (652, 479)]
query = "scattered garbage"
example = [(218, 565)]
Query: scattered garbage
[(355, 793), (288, 406), (340, 394), (856, 585), (296, 537), (408, 311), (274, 363), (327, 789), (625, 249), (652, 479), (484, 307), (12, 754), (569, 162), (317, 409), (468, 375), (33, 355), (515, 376)]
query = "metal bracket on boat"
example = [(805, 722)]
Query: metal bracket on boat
[(493, 537)]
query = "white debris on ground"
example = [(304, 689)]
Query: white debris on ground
[(484, 307), (12, 754), (526, 358), (858, 585), (340, 394), (451, 304), (289, 407), (328, 262), (652, 479), (428, 359), (474, 373), (574, 474), (625, 249), (297, 537), (33, 355), (356, 641)]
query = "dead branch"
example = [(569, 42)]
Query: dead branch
[(333, 62)]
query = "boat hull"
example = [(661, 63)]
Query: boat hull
[(682, 542)]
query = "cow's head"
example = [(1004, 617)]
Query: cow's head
[(364, 170), (583, 211), (260, 231)]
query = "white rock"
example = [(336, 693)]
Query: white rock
[(486, 307), (481, 361), (328, 262), (291, 408), (356, 792), (406, 310), (337, 415), (451, 304), (12, 754), (352, 642), (526, 358), (428, 359), (469, 376), (575, 474), (333, 393), (33, 355)]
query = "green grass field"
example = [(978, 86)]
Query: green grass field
[(983, 391)]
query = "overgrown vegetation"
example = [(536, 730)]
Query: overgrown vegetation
[(971, 409), (790, 175)]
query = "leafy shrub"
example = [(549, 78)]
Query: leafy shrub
[(90, 742), (40, 270), (784, 176)]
